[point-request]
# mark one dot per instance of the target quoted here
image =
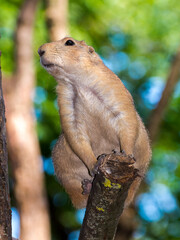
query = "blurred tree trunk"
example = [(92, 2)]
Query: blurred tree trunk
[(158, 113), (57, 20), (23, 146), (5, 209)]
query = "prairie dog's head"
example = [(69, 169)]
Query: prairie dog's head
[(68, 57)]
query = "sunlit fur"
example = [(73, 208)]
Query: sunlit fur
[(97, 115)]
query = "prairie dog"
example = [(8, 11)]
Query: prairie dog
[(97, 115)]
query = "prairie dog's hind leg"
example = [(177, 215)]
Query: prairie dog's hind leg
[(71, 172)]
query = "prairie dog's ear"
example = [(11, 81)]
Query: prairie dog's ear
[(90, 49)]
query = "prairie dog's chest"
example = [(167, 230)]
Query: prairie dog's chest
[(94, 114), (91, 102), (94, 109)]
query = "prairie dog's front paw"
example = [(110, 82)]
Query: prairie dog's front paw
[(86, 186), (130, 157)]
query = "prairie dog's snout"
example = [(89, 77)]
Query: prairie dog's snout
[(50, 58), (41, 51)]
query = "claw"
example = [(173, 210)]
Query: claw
[(114, 151), (123, 152), (99, 161)]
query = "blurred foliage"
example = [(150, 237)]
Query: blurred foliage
[(137, 39)]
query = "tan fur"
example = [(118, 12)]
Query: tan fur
[(97, 115)]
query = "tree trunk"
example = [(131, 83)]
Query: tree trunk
[(24, 150), (56, 14), (5, 209)]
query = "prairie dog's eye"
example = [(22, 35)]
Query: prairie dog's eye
[(69, 43)]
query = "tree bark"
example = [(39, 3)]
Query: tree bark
[(23, 146), (157, 115), (57, 20), (5, 209), (108, 194), (127, 224)]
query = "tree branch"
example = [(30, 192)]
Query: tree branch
[(106, 201), (5, 209), (157, 114)]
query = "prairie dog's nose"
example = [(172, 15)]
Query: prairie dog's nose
[(41, 52)]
